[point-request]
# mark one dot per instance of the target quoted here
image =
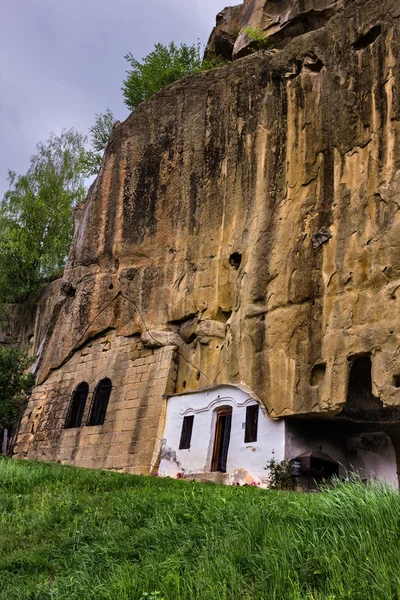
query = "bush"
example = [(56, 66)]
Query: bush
[(258, 37), (164, 65), (280, 474), (15, 384), (99, 135)]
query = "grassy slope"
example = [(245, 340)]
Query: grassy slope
[(70, 533)]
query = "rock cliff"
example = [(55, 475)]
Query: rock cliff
[(280, 20), (249, 215)]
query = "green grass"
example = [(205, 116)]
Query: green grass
[(69, 533)]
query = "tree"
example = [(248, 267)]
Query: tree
[(36, 215), (100, 134), (15, 384), (164, 65)]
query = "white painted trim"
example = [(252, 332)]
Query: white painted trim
[(217, 401)]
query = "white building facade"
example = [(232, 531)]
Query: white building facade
[(221, 433)]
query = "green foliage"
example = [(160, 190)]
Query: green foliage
[(15, 384), (164, 65), (280, 474), (76, 534), (100, 132), (99, 135), (258, 37), (36, 215)]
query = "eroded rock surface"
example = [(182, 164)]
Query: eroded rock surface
[(250, 216), (280, 20)]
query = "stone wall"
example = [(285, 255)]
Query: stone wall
[(131, 435)]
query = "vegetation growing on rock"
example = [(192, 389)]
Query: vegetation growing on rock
[(162, 66)]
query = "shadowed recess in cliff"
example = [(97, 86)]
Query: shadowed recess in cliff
[(361, 403), (368, 38)]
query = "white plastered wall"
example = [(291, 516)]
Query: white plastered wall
[(381, 464), (246, 461)]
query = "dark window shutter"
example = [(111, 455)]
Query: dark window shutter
[(251, 423), (100, 402), (186, 435), (225, 442), (77, 406)]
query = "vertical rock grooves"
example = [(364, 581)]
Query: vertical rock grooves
[(288, 159)]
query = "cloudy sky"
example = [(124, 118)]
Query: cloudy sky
[(62, 61)]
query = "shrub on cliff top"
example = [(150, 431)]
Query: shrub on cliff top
[(164, 65)]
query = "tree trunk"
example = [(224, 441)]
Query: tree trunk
[(5, 442)]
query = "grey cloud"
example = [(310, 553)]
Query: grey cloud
[(62, 62)]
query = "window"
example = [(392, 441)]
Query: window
[(186, 435), (100, 402), (77, 406), (250, 434)]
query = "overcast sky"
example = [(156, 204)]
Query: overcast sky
[(62, 61)]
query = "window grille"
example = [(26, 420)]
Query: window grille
[(100, 402), (186, 435), (77, 406)]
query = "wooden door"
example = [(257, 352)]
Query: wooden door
[(222, 439)]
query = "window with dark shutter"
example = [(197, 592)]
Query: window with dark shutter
[(186, 435), (77, 406), (251, 423), (100, 402)]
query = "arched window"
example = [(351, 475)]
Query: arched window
[(100, 402), (77, 406)]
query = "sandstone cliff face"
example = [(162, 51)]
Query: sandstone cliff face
[(28, 324), (249, 216), (280, 20)]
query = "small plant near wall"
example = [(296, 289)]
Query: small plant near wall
[(280, 474), (152, 596), (258, 37)]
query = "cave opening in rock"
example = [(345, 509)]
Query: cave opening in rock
[(361, 403), (368, 38), (235, 259), (360, 380), (318, 374)]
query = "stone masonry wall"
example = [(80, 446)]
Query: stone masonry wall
[(130, 437)]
